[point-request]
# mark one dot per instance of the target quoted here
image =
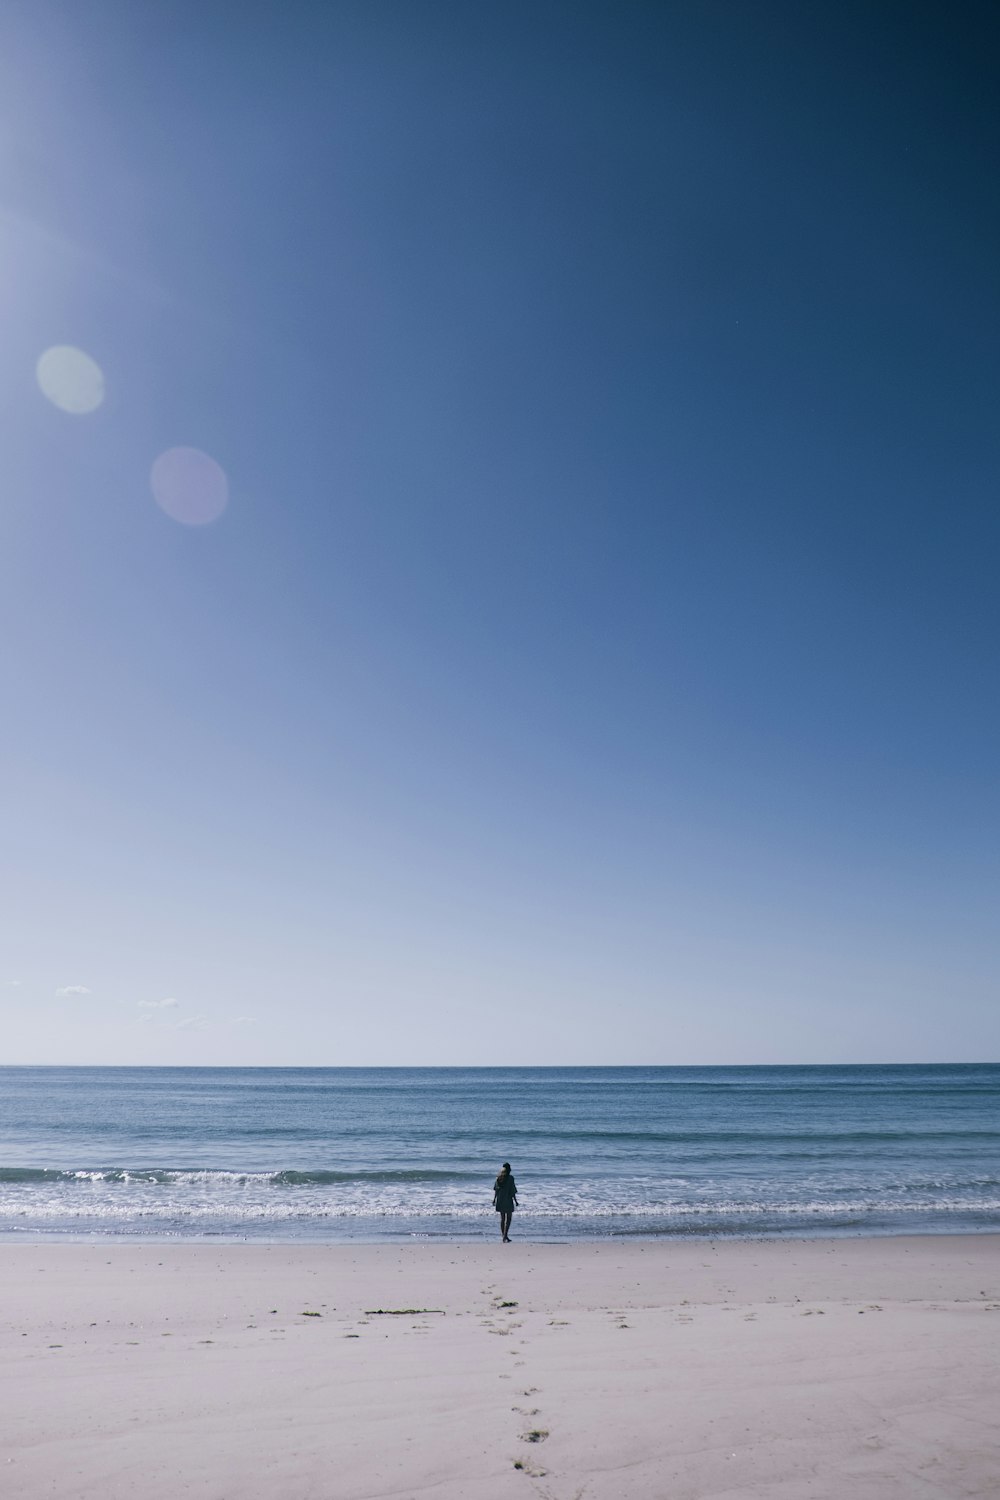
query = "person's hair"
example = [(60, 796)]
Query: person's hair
[(505, 1167)]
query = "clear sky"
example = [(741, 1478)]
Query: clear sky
[(574, 635)]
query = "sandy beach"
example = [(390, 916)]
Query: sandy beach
[(861, 1368)]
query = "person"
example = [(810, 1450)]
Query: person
[(505, 1199)]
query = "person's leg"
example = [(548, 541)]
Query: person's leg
[(503, 1230)]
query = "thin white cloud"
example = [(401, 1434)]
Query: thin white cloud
[(244, 1020), (12, 984), (72, 992), (157, 1004), (192, 1023)]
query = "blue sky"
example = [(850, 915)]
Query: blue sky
[(595, 660)]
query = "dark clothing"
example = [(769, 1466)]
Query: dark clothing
[(505, 1194)]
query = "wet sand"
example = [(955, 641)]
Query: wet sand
[(657, 1370)]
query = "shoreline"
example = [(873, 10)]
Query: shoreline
[(862, 1365), (319, 1241)]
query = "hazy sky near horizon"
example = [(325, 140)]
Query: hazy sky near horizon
[(595, 659)]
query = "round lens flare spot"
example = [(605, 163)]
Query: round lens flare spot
[(70, 379), (190, 486)]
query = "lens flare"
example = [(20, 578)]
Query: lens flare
[(70, 379), (190, 486)]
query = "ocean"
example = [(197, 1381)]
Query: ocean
[(404, 1153)]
